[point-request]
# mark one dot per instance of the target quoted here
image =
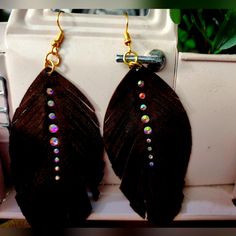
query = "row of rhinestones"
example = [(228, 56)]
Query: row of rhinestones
[(145, 119), (53, 129)]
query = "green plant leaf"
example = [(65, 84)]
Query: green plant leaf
[(228, 44), (201, 19), (209, 30), (201, 30), (190, 43), (175, 15), (182, 35), (226, 32), (188, 23)]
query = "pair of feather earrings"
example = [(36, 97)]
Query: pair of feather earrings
[(57, 151)]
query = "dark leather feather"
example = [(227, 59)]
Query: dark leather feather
[(152, 174), (45, 201)]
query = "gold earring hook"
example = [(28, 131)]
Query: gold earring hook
[(58, 22), (59, 39), (53, 59), (128, 42)]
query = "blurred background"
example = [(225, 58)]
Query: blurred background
[(4, 13), (209, 31)]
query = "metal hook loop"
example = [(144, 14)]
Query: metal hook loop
[(128, 41), (50, 65)]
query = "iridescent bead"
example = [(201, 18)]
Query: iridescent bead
[(145, 119), (151, 164), (147, 130), (141, 83), (56, 159), (52, 116), (150, 157), (57, 177), (148, 140), (142, 95), (53, 128), (149, 149), (56, 151), (57, 168), (143, 107), (51, 103), (54, 141), (49, 91)]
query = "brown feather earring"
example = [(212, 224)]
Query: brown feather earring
[(56, 149), (147, 136)]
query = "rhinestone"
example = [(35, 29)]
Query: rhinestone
[(145, 119), (143, 107), (151, 164), (49, 91), (150, 157), (57, 177), (149, 149), (51, 103), (54, 141), (148, 140), (56, 159), (53, 128), (140, 83), (56, 151), (142, 95), (57, 168), (147, 130), (52, 116)]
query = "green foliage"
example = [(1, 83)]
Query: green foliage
[(175, 15), (206, 30)]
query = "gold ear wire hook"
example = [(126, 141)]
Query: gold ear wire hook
[(59, 39), (53, 59), (127, 39), (58, 23), (128, 42)]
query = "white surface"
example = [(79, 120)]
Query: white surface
[(208, 57), (207, 88), (200, 203), (88, 52), (2, 35)]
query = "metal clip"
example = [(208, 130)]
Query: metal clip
[(156, 60)]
